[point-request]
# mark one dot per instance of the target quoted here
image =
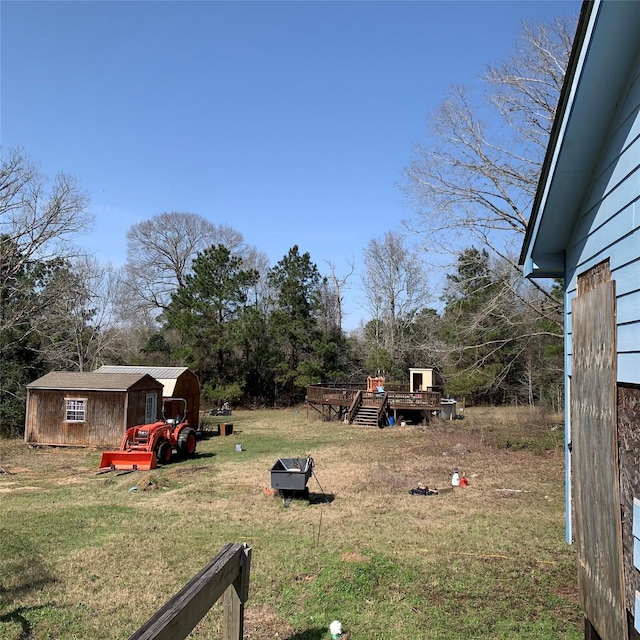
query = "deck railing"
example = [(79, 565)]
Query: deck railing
[(416, 398), (381, 407), (226, 575), (373, 398), (355, 405), (314, 393), (342, 395), (346, 394)]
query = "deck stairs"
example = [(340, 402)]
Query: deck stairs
[(366, 416)]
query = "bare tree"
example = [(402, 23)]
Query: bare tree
[(253, 259), (474, 180), (395, 288), (494, 332), (79, 328), (40, 220), (160, 252), (333, 295)]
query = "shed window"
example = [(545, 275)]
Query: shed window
[(76, 410)]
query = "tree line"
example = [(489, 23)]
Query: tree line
[(193, 293)]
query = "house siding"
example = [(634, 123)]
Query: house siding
[(609, 228)]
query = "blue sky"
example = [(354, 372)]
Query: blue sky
[(289, 121)]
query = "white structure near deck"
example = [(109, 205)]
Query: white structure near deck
[(420, 379)]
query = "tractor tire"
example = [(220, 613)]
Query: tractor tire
[(163, 452), (187, 442)]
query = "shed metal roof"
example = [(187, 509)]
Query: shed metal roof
[(167, 376), (88, 381), (166, 373)]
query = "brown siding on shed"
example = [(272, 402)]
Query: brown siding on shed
[(188, 387), (137, 405), (108, 412), (180, 383), (46, 418)]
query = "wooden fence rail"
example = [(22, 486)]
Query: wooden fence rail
[(226, 575)]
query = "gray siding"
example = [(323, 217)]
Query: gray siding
[(609, 227)]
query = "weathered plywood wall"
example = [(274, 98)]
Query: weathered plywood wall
[(629, 454), (595, 462)]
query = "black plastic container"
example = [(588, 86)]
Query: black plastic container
[(291, 474)]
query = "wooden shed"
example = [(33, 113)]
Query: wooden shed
[(89, 409), (177, 382), (585, 228)]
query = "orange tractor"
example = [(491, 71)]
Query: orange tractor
[(144, 446)]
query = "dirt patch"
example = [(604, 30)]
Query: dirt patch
[(354, 556), (570, 592), (458, 450), (70, 480), (261, 622), (5, 489), (13, 470)]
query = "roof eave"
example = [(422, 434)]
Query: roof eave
[(547, 266), (555, 138), (64, 388), (605, 50)]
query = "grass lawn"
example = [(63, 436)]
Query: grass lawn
[(88, 556)]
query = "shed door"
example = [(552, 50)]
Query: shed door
[(151, 408), (595, 461)]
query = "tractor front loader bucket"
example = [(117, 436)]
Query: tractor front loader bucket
[(130, 460)]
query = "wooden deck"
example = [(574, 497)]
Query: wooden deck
[(345, 402)]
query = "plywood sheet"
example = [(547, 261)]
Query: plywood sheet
[(595, 461), (629, 457)]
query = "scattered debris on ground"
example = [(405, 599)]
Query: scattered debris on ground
[(423, 490)]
